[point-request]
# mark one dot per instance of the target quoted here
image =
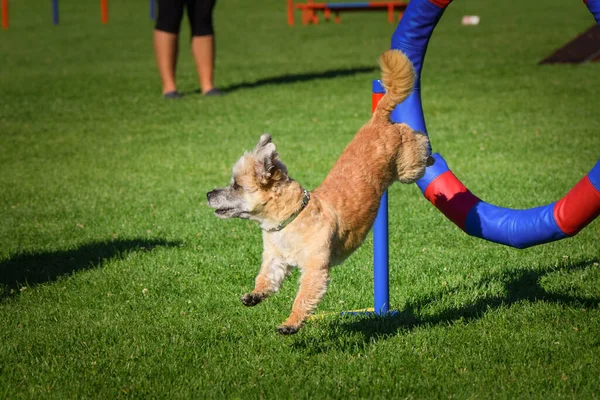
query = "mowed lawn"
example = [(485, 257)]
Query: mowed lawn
[(117, 281)]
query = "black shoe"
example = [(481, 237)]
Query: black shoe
[(172, 95)]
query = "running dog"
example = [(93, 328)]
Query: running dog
[(316, 230)]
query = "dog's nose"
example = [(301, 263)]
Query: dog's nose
[(209, 195)]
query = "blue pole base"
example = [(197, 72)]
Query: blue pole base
[(371, 311)]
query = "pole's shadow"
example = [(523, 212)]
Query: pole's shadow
[(31, 268), (293, 78), (520, 285)]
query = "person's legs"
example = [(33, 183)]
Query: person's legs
[(203, 41), (165, 49), (165, 39), (203, 48)]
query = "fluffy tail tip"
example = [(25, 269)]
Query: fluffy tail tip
[(397, 74)]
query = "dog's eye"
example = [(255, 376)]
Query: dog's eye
[(235, 185)]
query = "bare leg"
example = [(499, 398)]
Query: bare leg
[(269, 280), (313, 286), (165, 49), (203, 49)]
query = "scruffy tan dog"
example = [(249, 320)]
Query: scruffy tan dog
[(315, 231)]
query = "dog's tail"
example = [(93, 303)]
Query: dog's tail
[(398, 78)]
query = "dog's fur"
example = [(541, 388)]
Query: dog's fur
[(341, 211)]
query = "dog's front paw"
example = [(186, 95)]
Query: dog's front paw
[(251, 299), (287, 329)]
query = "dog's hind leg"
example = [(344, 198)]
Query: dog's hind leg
[(313, 285), (269, 280), (413, 154)]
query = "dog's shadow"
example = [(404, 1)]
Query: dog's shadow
[(293, 78), (33, 268), (520, 285)]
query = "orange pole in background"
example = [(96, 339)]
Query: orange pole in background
[(104, 11), (290, 12), (4, 14)]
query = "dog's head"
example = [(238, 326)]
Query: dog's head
[(258, 177)]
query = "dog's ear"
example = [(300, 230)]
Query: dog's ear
[(264, 140), (269, 169), (265, 152)]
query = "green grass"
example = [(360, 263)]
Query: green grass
[(117, 281)]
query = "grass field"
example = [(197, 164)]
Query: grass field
[(116, 280)]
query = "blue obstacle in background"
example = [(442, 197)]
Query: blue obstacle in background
[(515, 228)]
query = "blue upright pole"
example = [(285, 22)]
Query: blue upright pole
[(381, 287), (55, 12), (381, 258)]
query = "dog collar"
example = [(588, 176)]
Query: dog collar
[(305, 200)]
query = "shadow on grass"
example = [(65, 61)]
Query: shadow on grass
[(293, 78), (35, 268), (520, 285)]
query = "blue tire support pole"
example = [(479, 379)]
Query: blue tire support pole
[(381, 286), (55, 18), (381, 279)]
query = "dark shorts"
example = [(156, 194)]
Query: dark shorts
[(199, 14)]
